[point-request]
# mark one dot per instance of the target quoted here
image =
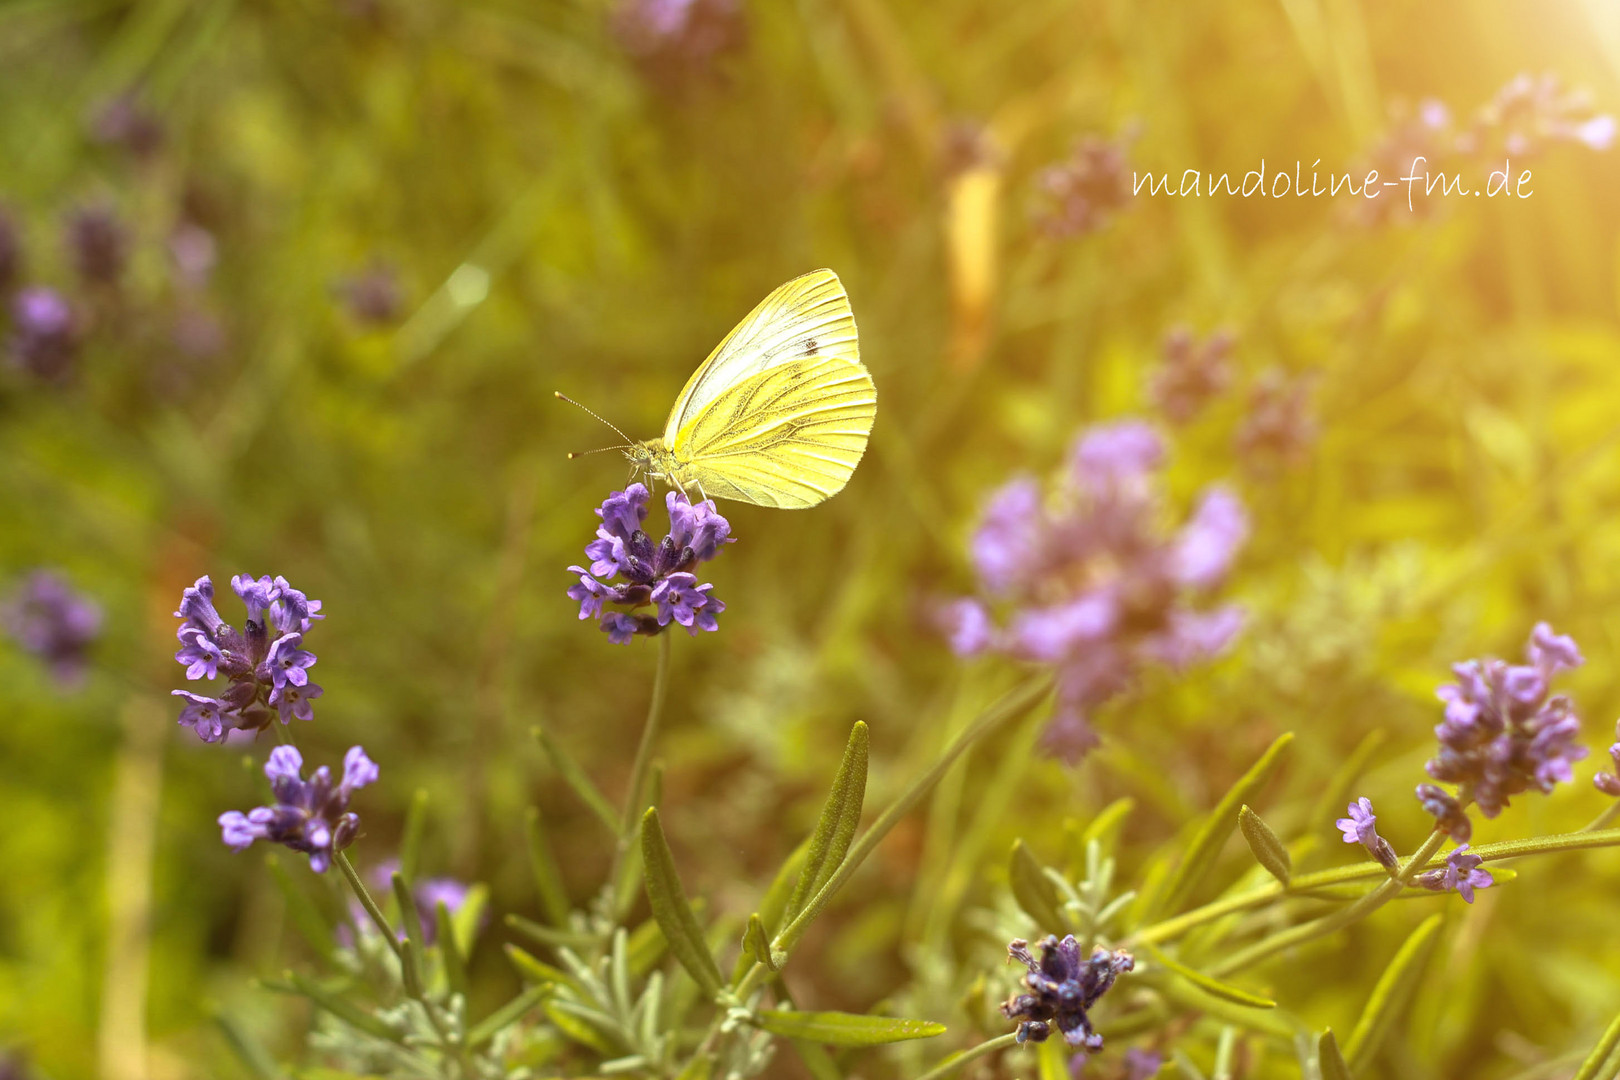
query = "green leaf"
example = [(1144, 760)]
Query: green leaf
[(410, 958), (1389, 997), (1104, 828), (1211, 986), (548, 881), (1593, 1067), (757, 943), (410, 845), (701, 1067), (670, 908), (455, 965), (510, 1013), (1216, 826), (845, 1029), (469, 917), (840, 816), (531, 966), (575, 778), (1194, 998), (339, 1006), (1263, 843), (1328, 1059), (1034, 893)]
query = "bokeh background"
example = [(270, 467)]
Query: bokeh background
[(325, 262)]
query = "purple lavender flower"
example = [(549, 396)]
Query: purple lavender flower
[(656, 575), (44, 333), (1416, 142), (1280, 427), (98, 244), (46, 617), (309, 816), (1082, 194), (373, 297), (1461, 874), (1062, 988), (676, 42), (1091, 583), (1193, 372), (1531, 113), (1609, 782), (1142, 1064), (428, 893), (263, 673), (1360, 828), (1504, 732), (124, 122), (193, 252)]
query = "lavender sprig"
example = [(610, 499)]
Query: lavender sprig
[(265, 663), (1062, 988), (49, 619), (310, 815)]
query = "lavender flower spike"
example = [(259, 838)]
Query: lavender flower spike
[(655, 575), (1062, 988), (47, 618), (311, 815), (1461, 874)]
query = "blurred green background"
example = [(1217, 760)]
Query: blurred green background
[(428, 216)]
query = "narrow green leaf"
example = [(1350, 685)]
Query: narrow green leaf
[(1268, 851), (510, 1013), (1212, 986), (816, 1059), (840, 816), (546, 935), (532, 967), (469, 917), (674, 914), (410, 959), (410, 844), (548, 881), (1194, 998), (1034, 893), (757, 943), (773, 904), (701, 1067), (1389, 997), (339, 1006), (455, 965), (1104, 828), (248, 1050), (575, 778), (1217, 825), (646, 945), (311, 924), (1593, 1067), (845, 1029), (1329, 1062)]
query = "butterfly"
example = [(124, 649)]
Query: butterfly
[(779, 413)]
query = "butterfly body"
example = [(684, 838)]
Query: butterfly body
[(780, 412)]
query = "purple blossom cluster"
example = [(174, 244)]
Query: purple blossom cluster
[(265, 664), (1360, 827), (1606, 781), (1082, 194), (1193, 372), (1461, 874), (311, 815), (1091, 582), (49, 619), (45, 333), (98, 245), (1062, 989), (1280, 426), (658, 587), (1504, 732), (1532, 112)]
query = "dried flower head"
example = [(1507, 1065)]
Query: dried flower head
[(1193, 372), (265, 663), (44, 334), (1504, 732), (310, 815), (656, 576), (47, 618), (1062, 989), (1082, 194), (1461, 874), (1091, 582)]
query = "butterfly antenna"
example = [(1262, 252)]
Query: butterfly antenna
[(627, 439)]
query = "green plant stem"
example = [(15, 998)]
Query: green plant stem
[(1605, 819), (1360, 909), (362, 894), (446, 1042), (956, 1061), (630, 818)]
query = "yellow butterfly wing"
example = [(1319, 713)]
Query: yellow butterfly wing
[(779, 413)]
